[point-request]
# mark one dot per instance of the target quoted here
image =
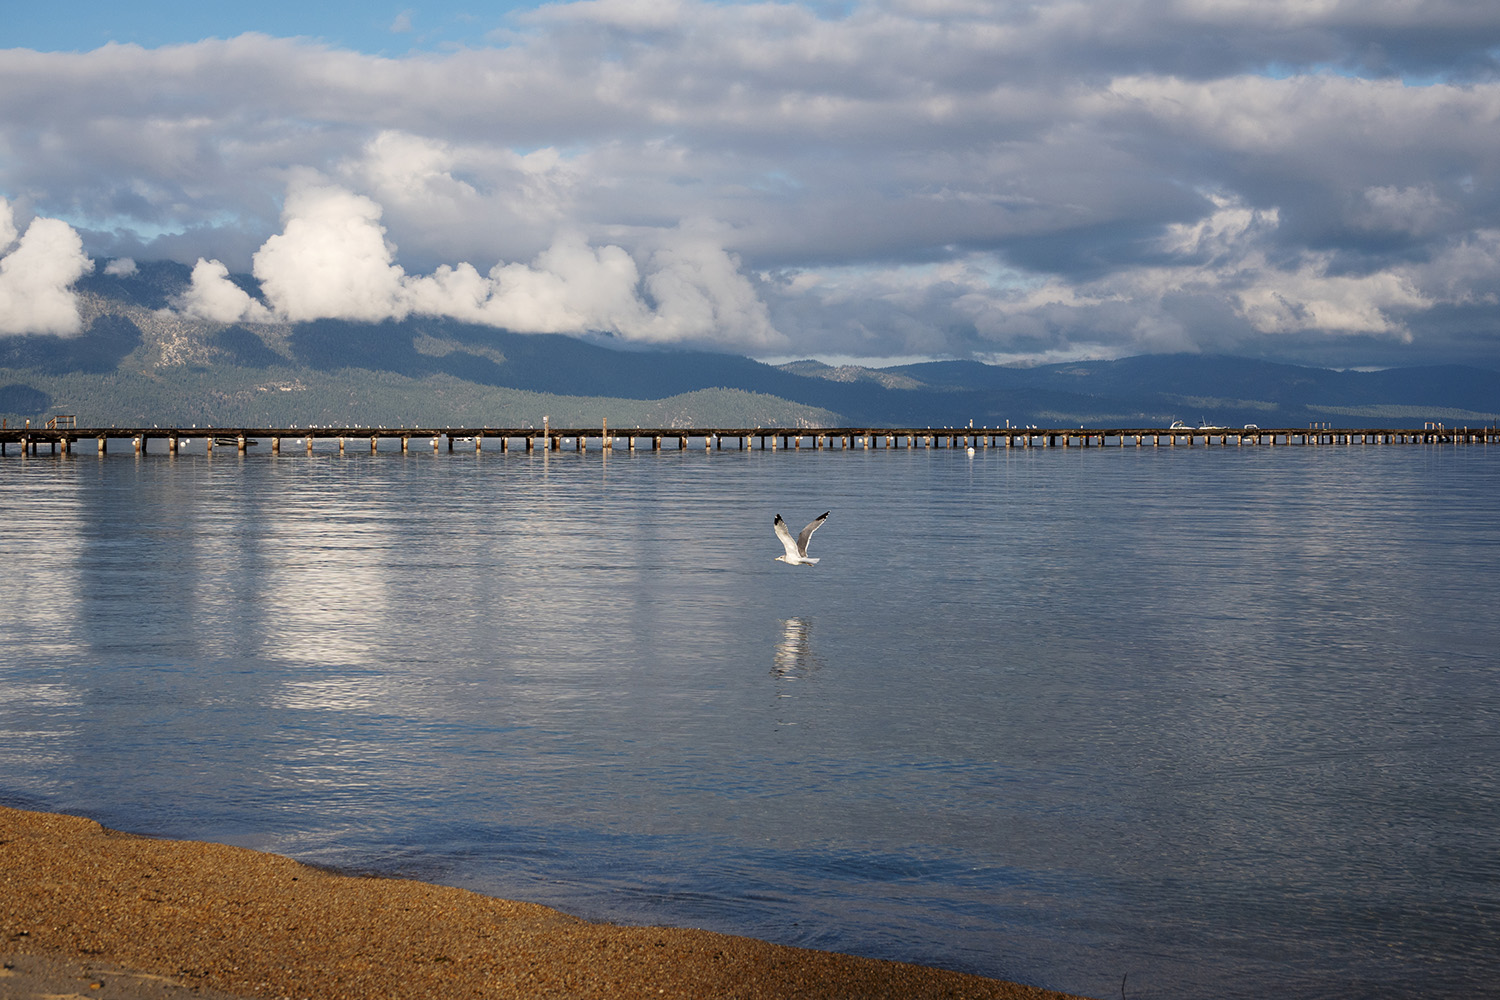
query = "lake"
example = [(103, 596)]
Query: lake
[(1216, 722)]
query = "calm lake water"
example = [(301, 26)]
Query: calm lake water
[(1222, 721)]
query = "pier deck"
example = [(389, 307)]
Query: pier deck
[(61, 436)]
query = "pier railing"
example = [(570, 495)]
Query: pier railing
[(62, 435)]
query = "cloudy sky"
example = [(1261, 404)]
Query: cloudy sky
[(1307, 180)]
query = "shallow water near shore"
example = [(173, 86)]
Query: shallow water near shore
[(1221, 721)]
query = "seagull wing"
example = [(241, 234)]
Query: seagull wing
[(806, 535), (785, 534)]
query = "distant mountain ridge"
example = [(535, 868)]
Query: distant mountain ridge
[(138, 361)]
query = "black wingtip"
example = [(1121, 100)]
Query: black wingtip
[(825, 514)]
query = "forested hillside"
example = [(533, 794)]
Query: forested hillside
[(140, 361)]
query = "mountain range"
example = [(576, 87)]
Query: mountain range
[(140, 362)]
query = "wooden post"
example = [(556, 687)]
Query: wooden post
[(275, 444), (104, 444)]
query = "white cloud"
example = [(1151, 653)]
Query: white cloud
[(1220, 284), (1465, 272), (1279, 298), (212, 296), (465, 200), (120, 267), (1413, 209), (1309, 298), (568, 288), (701, 296), (331, 259), (36, 277), (1221, 232)]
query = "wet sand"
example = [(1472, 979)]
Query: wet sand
[(87, 911)]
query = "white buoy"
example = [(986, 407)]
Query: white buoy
[(971, 451)]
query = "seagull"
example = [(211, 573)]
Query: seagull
[(796, 548)]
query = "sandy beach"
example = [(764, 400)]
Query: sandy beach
[(87, 911)]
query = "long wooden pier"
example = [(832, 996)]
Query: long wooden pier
[(62, 436)]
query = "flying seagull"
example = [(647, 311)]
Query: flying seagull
[(796, 548)]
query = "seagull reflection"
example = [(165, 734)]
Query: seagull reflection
[(793, 654)]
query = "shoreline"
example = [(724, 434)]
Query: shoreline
[(95, 912)]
